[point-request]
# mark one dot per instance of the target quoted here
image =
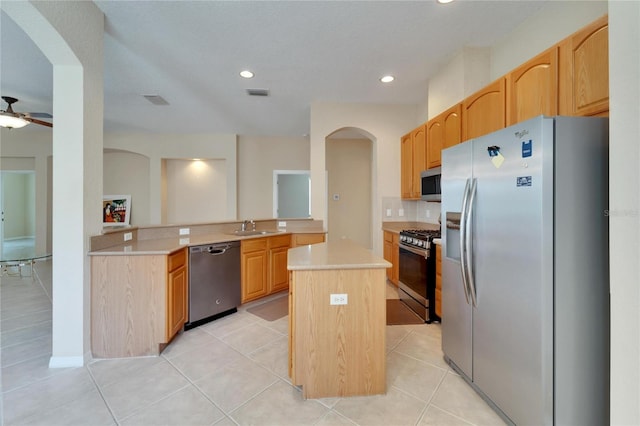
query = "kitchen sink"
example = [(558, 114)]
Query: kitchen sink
[(253, 232)]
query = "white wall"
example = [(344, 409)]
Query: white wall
[(258, 157), (385, 124), (127, 173), (464, 75), (18, 189), (196, 191), (161, 147), (624, 204)]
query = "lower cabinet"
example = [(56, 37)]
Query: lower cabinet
[(439, 280), (264, 266), (138, 303), (254, 266), (391, 254), (177, 300), (278, 273)]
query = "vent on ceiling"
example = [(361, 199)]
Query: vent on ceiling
[(258, 92), (156, 99)]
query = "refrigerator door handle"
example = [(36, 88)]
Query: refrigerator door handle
[(468, 250), (463, 231)]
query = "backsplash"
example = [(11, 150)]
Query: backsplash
[(395, 209)]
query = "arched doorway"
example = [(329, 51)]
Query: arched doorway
[(349, 165)]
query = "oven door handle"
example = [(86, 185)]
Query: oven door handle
[(423, 253)]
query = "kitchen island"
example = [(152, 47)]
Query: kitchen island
[(337, 320)]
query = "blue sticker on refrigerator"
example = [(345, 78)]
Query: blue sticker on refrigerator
[(523, 181), (527, 148)]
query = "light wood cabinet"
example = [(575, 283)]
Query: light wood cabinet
[(484, 111), (278, 274), (392, 254), (413, 160), (337, 351), (254, 261), (177, 291), (306, 239), (439, 280), (443, 131), (584, 71), (264, 265), (533, 88), (138, 303)]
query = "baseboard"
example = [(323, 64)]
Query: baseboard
[(66, 361)]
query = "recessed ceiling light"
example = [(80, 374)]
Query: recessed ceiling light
[(444, 1), (246, 74), (387, 79)]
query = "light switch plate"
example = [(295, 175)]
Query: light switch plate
[(184, 231), (128, 236), (184, 241), (282, 224), (400, 212)]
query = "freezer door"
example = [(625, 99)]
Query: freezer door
[(456, 310), (512, 264)]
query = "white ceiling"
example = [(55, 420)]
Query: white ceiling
[(190, 53)]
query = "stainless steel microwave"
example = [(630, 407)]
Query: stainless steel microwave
[(430, 184)]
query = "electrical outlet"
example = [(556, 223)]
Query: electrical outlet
[(338, 299), (282, 224), (128, 236), (184, 241), (184, 231), (388, 212), (400, 212)]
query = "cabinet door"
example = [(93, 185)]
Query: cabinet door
[(406, 166), (435, 140), (584, 71), (533, 88), (306, 239), (484, 111), (177, 301), (452, 123), (419, 140), (395, 256), (254, 275), (388, 252), (279, 275)]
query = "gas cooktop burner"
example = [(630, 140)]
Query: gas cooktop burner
[(419, 237)]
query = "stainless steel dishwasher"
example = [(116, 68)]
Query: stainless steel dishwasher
[(214, 282)]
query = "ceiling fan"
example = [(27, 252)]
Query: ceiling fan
[(16, 120)]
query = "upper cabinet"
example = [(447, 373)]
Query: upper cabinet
[(443, 131), (532, 88), (584, 71), (484, 111), (413, 160)]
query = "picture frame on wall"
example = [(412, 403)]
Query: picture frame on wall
[(116, 210)]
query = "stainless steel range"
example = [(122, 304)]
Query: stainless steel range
[(417, 268)]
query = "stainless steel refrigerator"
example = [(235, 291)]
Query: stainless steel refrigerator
[(525, 269)]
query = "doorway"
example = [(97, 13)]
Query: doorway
[(291, 194), (17, 213), (349, 159)]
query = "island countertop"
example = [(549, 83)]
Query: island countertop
[(342, 254)]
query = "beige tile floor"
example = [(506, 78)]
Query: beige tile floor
[(230, 371)]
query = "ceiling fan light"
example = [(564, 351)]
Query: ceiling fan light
[(12, 121)]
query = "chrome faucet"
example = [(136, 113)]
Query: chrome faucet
[(243, 227)]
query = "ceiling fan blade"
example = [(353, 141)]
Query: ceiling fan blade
[(39, 115), (40, 122)]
